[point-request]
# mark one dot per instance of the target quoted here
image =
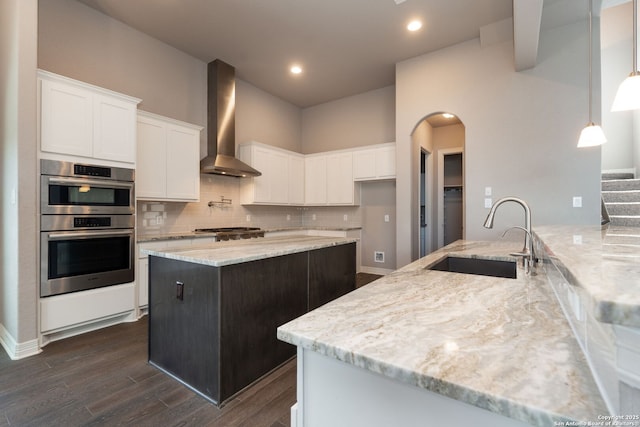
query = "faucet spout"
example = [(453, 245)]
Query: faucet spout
[(528, 241)]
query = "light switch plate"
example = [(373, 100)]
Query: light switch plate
[(487, 191)]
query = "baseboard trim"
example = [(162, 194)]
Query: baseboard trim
[(17, 350), (375, 270)]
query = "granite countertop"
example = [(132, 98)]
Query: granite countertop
[(500, 344), (605, 262), (229, 252), (194, 235)]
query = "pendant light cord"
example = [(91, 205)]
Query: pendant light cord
[(590, 57), (635, 37)]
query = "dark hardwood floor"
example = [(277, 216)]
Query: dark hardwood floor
[(103, 378)]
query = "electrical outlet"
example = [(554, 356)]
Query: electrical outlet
[(487, 203), (248, 218), (345, 217), (577, 202), (288, 217), (313, 217), (386, 218), (378, 256)]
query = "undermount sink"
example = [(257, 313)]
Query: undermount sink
[(478, 266)]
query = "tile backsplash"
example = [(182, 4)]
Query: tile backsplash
[(180, 217)]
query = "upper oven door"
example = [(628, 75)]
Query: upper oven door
[(66, 195)]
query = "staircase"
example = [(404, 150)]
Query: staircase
[(621, 195)]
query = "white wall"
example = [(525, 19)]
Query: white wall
[(521, 130), (82, 43), (18, 213), (616, 49), (378, 200), (354, 121)]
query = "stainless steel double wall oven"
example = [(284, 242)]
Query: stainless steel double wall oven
[(87, 225)]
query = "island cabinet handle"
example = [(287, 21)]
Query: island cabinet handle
[(180, 291)]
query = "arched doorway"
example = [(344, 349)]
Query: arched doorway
[(440, 139)]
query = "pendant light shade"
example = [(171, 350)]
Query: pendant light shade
[(628, 95), (592, 135)]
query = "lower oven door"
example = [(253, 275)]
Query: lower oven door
[(80, 260)]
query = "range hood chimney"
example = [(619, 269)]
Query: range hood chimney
[(221, 124)]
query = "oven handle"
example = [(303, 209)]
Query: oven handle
[(94, 182), (80, 235)]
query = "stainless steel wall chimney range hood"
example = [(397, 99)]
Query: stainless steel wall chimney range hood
[(221, 124)]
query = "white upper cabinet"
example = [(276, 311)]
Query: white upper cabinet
[(378, 162), (281, 182), (340, 188), (82, 120), (319, 179), (296, 179), (315, 180), (168, 159), (329, 179)]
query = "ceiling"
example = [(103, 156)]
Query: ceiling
[(345, 47)]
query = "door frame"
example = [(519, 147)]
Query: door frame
[(440, 190)]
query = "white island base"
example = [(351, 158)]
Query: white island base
[(333, 393)]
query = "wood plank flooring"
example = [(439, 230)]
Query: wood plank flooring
[(103, 378)]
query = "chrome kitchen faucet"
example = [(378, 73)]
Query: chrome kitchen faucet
[(527, 254)]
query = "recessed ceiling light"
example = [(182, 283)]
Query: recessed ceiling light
[(414, 25), (296, 69), (447, 115)]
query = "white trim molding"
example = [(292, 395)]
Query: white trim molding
[(17, 350)]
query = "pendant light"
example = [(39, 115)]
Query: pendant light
[(592, 134), (628, 95)]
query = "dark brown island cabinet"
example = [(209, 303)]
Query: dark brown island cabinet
[(214, 328)]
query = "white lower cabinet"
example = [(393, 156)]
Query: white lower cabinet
[(168, 159)]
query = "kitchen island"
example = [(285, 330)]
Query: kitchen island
[(421, 347), (214, 309)]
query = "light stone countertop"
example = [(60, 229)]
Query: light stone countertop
[(499, 344), (219, 254), (605, 262), (194, 235)]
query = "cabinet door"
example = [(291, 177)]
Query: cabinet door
[(66, 125), (183, 332), (296, 180), (315, 180), (364, 164), (183, 163), (332, 273), (386, 162), (260, 160), (114, 131), (340, 179), (257, 297), (151, 177), (279, 171)]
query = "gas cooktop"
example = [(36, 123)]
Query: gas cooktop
[(232, 233)]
